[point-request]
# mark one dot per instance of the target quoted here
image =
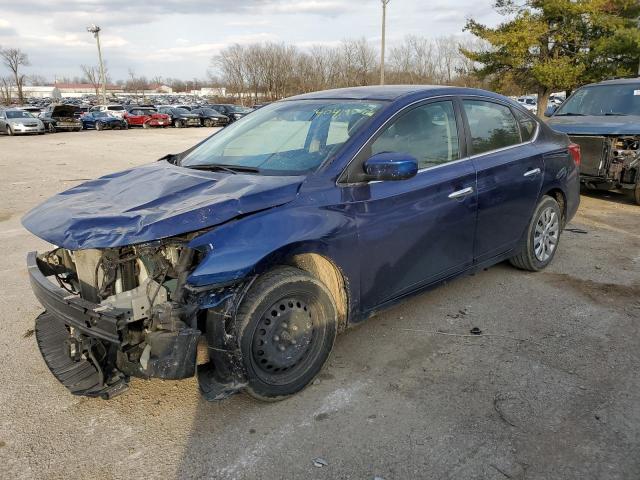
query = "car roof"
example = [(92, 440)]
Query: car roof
[(391, 92), (617, 81)]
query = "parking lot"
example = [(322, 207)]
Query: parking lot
[(550, 391)]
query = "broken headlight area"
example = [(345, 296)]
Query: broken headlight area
[(609, 162), (122, 312)]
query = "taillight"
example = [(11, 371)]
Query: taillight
[(574, 151)]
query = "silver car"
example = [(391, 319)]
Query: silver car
[(14, 121)]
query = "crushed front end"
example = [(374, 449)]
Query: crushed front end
[(609, 162), (120, 312)]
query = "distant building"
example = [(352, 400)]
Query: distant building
[(38, 91), (210, 92), (72, 90)]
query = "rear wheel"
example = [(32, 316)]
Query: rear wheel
[(208, 122), (178, 124), (636, 192), (52, 128), (539, 245), (99, 126), (286, 326)]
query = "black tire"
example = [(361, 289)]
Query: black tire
[(99, 126), (528, 257), (10, 131), (178, 124), (636, 193), (286, 326), (52, 128), (146, 125), (208, 122)]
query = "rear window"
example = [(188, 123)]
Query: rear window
[(492, 126), (527, 125), (115, 108)]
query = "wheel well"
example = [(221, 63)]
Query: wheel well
[(328, 273), (559, 197)]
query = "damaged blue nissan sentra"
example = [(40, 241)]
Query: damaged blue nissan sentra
[(240, 259)]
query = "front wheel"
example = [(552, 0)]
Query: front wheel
[(10, 131), (52, 128), (99, 126), (146, 125), (286, 327), (636, 193), (540, 243), (178, 123)]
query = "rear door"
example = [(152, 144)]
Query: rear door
[(510, 170), (416, 231)]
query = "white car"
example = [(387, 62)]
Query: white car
[(529, 103), (113, 109)]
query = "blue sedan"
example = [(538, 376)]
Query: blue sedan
[(102, 121), (294, 223)]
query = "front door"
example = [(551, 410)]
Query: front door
[(416, 231)]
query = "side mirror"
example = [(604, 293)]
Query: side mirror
[(391, 166), (551, 109)]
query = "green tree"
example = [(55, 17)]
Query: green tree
[(549, 45)]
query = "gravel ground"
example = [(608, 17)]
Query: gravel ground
[(552, 393)]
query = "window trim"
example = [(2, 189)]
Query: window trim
[(464, 132), (462, 144), (461, 98)]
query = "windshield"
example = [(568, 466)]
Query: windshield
[(285, 138), (181, 111), (101, 115), (239, 109), (603, 100), (18, 114)]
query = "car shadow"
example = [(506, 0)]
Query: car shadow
[(615, 197)]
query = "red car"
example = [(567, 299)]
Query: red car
[(147, 117)]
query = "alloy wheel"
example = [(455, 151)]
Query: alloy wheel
[(547, 232)]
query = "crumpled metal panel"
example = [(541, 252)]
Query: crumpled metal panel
[(152, 202)]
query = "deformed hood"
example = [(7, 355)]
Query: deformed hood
[(596, 125), (64, 110), (151, 202)]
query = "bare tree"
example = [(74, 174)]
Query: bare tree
[(15, 59), (6, 87), (92, 76), (36, 79), (136, 84)]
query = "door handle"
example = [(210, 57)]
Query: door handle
[(532, 172), (461, 193)]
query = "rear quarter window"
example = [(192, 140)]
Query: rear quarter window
[(492, 126), (527, 125)]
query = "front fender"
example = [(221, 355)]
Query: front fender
[(242, 247)]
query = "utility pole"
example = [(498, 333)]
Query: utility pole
[(384, 28), (95, 29)]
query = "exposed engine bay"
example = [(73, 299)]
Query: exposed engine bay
[(158, 321), (609, 162)]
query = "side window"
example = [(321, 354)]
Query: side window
[(429, 133), (527, 125), (492, 126)]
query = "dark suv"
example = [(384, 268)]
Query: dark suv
[(604, 119)]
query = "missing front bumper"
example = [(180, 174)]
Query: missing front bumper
[(88, 348)]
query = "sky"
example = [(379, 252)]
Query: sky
[(178, 38)]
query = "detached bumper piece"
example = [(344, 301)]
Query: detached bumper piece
[(81, 376), (94, 349)]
